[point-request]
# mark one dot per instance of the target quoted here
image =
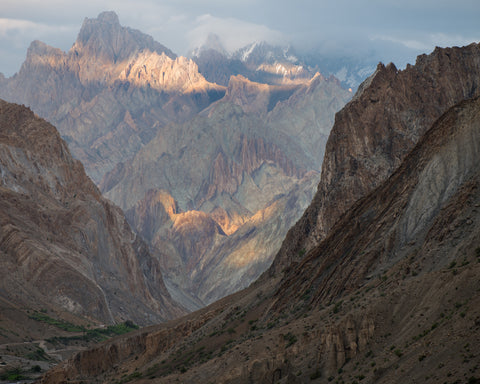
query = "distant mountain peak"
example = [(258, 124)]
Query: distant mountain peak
[(109, 17), (214, 42), (260, 52)]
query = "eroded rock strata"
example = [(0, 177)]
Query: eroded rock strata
[(390, 295), (67, 247)]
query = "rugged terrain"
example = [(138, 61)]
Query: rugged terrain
[(258, 61), (147, 124), (395, 108), (111, 92), (65, 250), (390, 295), (253, 163)]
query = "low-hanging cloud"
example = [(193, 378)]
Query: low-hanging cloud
[(349, 27), (233, 33)]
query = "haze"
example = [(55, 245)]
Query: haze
[(389, 30)]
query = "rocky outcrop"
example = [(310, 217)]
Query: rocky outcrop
[(67, 247), (375, 131)]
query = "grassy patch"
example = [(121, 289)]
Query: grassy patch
[(65, 325), (13, 375), (39, 355)]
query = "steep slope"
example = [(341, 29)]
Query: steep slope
[(130, 111), (248, 153), (374, 132), (111, 93), (390, 296), (63, 246)]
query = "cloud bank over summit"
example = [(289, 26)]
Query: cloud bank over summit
[(341, 27)]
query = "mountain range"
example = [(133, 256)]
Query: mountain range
[(211, 175), (386, 293)]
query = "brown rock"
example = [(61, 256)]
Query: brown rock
[(66, 246), (375, 131)]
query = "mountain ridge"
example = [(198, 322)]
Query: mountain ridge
[(389, 98), (102, 79), (57, 228), (367, 303)]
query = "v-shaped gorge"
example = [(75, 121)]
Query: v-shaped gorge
[(211, 176), (219, 192)]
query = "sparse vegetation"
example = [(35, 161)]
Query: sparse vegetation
[(13, 374), (96, 334), (315, 375), (290, 338), (398, 352), (39, 355), (62, 324), (337, 307)]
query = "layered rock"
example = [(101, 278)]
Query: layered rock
[(375, 131), (391, 293), (68, 248), (248, 156)]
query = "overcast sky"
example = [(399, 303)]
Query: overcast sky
[(399, 28)]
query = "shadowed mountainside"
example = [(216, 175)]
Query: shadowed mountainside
[(374, 132), (64, 247), (391, 295)]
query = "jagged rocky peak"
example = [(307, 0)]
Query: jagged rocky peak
[(258, 53), (104, 38), (251, 96), (39, 48)]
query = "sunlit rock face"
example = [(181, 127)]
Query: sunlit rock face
[(249, 162), (111, 92)]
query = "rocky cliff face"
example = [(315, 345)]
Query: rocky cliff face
[(64, 247), (250, 155), (391, 294), (111, 93), (375, 131)]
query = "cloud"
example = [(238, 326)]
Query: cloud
[(234, 33), (429, 41), (345, 26), (17, 34)]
